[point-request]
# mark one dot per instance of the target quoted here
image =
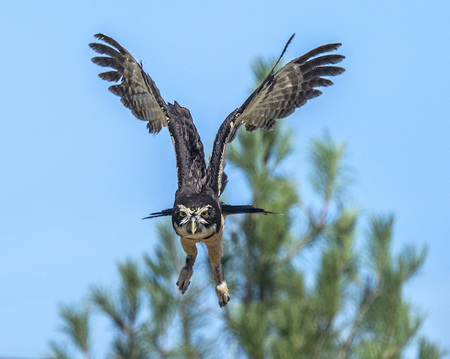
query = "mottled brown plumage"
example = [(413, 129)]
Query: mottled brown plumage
[(197, 213)]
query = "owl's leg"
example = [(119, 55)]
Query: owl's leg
[(215, 255), (186, 272)]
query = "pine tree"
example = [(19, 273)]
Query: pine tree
[(77, 330), (299, 287)]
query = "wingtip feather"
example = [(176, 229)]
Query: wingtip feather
[(99, 36), (109, 40)]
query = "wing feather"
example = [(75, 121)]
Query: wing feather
[(112, 76), (279, 94), (137, 91), (105, 61), (189, 152), (282, 92)]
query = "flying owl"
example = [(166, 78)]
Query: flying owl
[(197, 214)]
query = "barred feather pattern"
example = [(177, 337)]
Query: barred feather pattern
[(289, 88), (279, 94), (137, 91)]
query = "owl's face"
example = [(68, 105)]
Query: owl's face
[(196, 217)]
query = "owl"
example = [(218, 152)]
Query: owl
[(198, 215)]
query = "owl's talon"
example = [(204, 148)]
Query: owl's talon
[(184, 279), (224, 300), (222, 294)]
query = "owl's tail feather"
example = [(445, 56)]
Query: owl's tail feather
[(228, 209), (164, 212)]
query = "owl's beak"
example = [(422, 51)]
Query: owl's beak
[(193, 226)]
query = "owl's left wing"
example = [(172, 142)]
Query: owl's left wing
[(279, 94)]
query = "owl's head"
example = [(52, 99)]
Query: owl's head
[(196, 216)]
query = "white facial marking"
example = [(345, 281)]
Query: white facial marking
[(188, 212), (193, 225)]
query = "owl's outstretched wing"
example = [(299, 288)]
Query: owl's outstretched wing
[(139, 93), (279, 94), (137, 90)]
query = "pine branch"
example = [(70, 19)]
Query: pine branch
[(76, 326), (316, 228), (429, 350), (323, 337), (364, 308), (307, 239)]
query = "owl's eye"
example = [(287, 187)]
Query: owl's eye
[(205, 214), (182, 214)]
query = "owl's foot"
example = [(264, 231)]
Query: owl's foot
[(184, 278), (222, 294)]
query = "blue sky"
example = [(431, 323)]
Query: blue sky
[(78, 172)]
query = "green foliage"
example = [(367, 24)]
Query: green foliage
[(387, 317), (328, 175), (57, 351), (172, 309), (123, 312), (429, 350), (299, 286), (76, 326)]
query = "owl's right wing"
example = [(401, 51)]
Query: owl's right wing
[(137, 90), (139, 93)]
